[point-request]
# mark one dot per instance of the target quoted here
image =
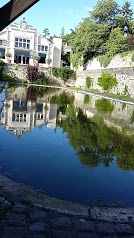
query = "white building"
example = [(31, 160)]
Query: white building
[(24, 42)]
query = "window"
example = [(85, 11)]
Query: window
[(22, 43), (46, 48), (42, 48), (3, 42)]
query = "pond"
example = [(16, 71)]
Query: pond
[(68, 145)]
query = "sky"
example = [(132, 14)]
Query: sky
[(56, 14)]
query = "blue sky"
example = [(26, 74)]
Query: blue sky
[(56, 14)]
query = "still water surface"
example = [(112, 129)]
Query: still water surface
[(71, 146)]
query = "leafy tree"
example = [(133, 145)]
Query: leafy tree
[(116, 43), (46, 32), (89, 39), (105, 12)]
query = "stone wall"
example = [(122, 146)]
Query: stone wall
[(21, 75), (125, 78), (118, 61)]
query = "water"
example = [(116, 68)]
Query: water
[(70, 146)]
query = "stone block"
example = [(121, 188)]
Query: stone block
[(60, 222), (37, 216), (83, 225), (39, 227), (124, 229), (105, 228)]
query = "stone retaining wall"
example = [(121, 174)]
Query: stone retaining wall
[(125, 78), (20, 72)]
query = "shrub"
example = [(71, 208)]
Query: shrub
[(10, 77), (88, 81), (107, 81), (63, 73), (104, 106), (42, 79)]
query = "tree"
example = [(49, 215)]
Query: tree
[(89, 39), (62, 32), (46, 32), (105, 12), (116, 43), (127, 16)]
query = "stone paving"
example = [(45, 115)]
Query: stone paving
[(26, 220)]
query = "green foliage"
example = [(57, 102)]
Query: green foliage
[(26, 202), (105, 12), (95, 143), (107, 81), (76, 60), (132, 57), (62, 99), (104, 106), (104, 60), (4, 212), (8, 54), (89, 39), (86, 99), (42, 79), (63, 73), (49, 60), (132, 117), (116, 43), (88, 81), (9, 77)]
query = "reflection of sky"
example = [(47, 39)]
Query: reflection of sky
[(44, 159)]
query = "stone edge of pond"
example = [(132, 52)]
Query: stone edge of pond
[(19, 192)]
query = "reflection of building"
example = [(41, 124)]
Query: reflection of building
[(20, 116), (24, 42)]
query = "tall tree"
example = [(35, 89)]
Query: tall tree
[(105, 12), (46, 32), (127, 15), (62, 32)]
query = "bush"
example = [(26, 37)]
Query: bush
[(104, 106), (63, 73), (42, 79), (88, 81), (9, 77), (107, 81)]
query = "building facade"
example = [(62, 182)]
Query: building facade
[(24, 43)]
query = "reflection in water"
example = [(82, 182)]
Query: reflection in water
[(101, 132)]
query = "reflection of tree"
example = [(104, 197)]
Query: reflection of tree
[(62, 99), (104, 106), (33, 92), (95, 143)]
